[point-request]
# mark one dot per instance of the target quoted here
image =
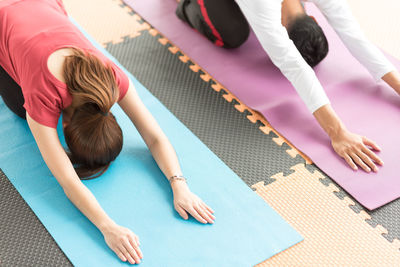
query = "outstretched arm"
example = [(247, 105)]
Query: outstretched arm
[(121, 240), (165, 156), (265, 19)]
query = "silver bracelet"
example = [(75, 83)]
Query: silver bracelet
[(177, 177)]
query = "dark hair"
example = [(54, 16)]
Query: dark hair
[(93, 135), (309, 39)]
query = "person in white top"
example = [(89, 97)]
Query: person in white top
[(295, 43)]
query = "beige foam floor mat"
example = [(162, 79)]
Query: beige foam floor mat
[(333, 234)]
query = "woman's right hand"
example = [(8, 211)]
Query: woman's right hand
[(355, 150), (124, 243)]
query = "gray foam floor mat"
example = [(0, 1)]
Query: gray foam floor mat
[(228, 133), (23, 239)]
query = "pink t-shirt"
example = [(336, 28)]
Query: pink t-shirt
[(30, 31)]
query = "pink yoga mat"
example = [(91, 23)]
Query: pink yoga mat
[(366, 108)]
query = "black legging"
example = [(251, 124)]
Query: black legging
[(221, 21), (11, 93)]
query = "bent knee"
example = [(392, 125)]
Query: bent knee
[(235, 35)]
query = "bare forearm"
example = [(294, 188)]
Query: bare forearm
[(353, 148), (85, 201), (157, 142), (165, 156), (76, 191), (329, 120), (393, 80)]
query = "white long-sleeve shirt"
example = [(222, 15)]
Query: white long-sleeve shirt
[(264, 16)]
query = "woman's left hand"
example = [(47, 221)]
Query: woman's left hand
[(186, 202)]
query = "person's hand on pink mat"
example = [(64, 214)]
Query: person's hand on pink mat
[(186, 202), (356, 150), (123, 242), (353, 148)]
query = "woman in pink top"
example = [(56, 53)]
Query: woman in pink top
[(49, 68)]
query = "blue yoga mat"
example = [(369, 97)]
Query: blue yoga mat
[(136, 195)]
